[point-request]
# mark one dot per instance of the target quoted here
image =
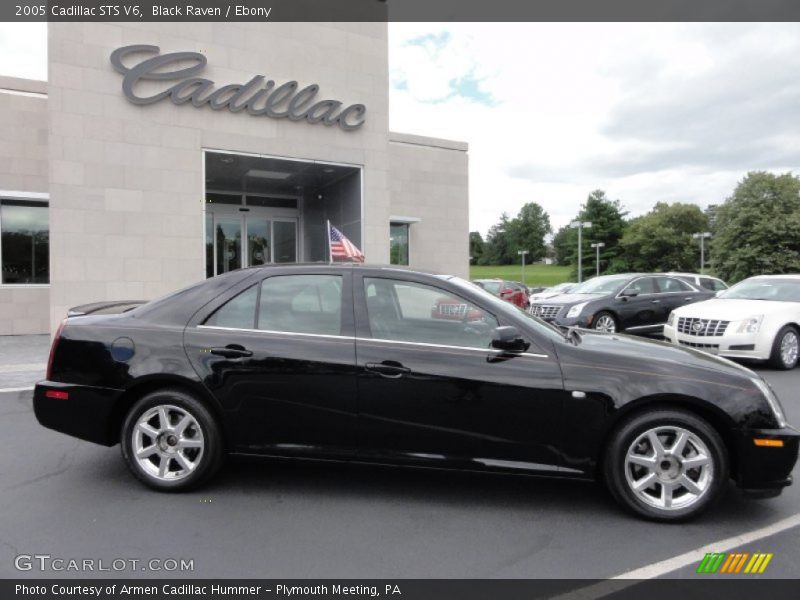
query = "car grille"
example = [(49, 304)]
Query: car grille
[(700, 346), (545, 311), (702, 327), (452, 310)]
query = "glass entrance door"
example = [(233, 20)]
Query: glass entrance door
[(266, 241)]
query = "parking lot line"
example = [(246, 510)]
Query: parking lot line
[(629, 578), (17, 389)]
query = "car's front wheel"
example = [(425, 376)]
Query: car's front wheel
[(170, 441), (785, 346), (666, 465), (605, 322)]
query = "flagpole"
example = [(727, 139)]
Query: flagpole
[(330, 251)]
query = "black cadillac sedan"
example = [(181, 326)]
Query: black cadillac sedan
[(633, 302), (387, 365)]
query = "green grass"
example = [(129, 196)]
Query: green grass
[(534, 274)]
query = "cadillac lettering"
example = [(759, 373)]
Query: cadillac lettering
[(259, 96)]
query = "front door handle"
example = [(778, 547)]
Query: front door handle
[(656, 301), (232, 351), (388, 368)]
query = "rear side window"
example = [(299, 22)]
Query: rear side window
[(714, 285), (237, 313), (672, 284), (301, 304)]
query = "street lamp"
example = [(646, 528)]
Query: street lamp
[(523, 254), (580, 226), (702, 237), (598, 245)]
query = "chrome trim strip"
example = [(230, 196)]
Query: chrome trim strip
[(363, 339)]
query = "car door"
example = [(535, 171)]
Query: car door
[(642, 310), (432, 390), (280, 358)]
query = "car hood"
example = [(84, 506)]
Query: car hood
[(564, 299), (733, 310), (544, 296), (656, 355)]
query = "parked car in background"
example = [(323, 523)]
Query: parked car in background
[(702, 281), (510, 291), (632, 302), (348, 362), (758, 318), (561, 288)]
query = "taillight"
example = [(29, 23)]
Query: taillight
[(57, 337)]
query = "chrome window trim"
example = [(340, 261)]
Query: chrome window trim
[(363, 339)]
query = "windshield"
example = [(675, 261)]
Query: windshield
[(502, 306), (606, 284), (493, 287), (780, 290)]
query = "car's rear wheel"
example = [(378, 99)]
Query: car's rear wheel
[(785, 347), (666, 465), (170, 441), (604, 321)]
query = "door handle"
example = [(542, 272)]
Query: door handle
[(656, 301), (232, 351), (388, 368)]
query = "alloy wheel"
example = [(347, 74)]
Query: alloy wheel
[(168, 442), (606, 324), (669, 468), (789, 348)]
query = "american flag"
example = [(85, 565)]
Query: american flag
[(341, 247)]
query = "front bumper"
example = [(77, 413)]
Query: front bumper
[(81, 411), (730, 345), (765, 470)]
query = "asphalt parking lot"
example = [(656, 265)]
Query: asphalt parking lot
[(268, 519)]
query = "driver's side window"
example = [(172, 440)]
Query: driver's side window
[(412, 312), (643, 285)]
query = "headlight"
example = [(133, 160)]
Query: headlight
[(671, 319), (771, 399), (751, 324), (575, 311)]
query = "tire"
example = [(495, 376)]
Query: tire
[(781, 357), (605, 321), (668, 497), (182, 454)]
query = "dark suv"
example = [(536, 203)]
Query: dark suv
[(636, 303)]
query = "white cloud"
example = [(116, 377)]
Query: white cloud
[(647, 112)]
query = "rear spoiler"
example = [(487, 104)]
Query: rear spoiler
[(105, 308)]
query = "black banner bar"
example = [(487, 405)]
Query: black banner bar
[(730, 588), (400, 10)]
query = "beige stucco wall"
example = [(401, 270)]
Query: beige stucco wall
[(428, 181), (23, 168), (126, 183)]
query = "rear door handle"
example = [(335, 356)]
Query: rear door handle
[(232, 351), (388, 368), (656, 301)]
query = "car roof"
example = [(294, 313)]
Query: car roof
[(779, 276), (337, 265), (678, 274)]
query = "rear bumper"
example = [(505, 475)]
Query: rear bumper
[(86, 412), (765, 470)]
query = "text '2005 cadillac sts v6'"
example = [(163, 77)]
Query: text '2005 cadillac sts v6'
[(396, 366)]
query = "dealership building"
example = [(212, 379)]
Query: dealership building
[(158, 154)]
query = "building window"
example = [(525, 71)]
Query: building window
[(24, 242), (398, 243)]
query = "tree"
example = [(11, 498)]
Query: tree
[(608, 224), (757, 229), (527, 232), (496, 250), (476, 245), (662, 240)]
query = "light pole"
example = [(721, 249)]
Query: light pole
[(580, 226), (702, 237), (598, 245), (523, 254)]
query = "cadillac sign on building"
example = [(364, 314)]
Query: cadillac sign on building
[(258, 97)]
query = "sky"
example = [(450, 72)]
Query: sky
[(668, 112)]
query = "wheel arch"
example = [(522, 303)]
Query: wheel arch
[(703, 409), (610, 311), (146, 385)]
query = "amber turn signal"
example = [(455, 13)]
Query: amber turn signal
[(768, 442)]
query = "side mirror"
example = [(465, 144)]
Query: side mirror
[(508, 339), (629, 293)]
